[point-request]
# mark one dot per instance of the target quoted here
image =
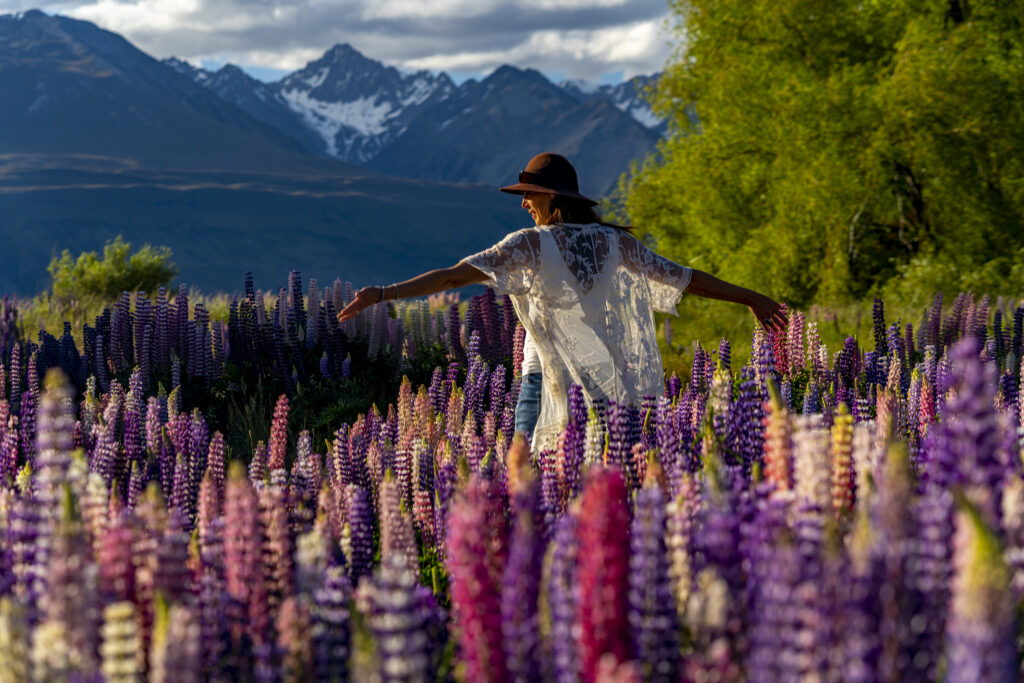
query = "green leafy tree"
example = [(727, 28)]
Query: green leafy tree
[(89, 277), (841, 149)]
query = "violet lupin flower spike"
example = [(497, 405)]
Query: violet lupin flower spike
[(966, 446), (396, 532), (54, 441), (652, 613), (521, 585), (331, 624), (243, 554), (360, 524), (398, 622)]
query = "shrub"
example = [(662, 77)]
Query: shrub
[(89, 277)]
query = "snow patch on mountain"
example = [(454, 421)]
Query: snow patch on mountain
[(585, 87), (317, 79), (365, 115)]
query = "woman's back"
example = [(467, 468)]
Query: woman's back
[(586, 294)]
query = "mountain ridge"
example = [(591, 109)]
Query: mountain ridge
[(373, 115)]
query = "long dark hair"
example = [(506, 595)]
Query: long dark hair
[(569, 210)]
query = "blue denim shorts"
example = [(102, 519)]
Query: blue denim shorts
[(528, 406)]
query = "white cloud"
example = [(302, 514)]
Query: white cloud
[(632, 49), (432, 9), (573, 38)]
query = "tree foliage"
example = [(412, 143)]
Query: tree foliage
[(89, 277), (842, 148)]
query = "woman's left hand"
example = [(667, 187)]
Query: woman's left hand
[(365, 297), (771, 314)]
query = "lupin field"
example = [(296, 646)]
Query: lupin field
[(187, 499)]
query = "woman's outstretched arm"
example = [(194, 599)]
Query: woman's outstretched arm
[(770, 314), (459, 275)]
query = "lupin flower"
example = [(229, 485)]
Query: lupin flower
[(399, 623), (277, 569), (981, 633), (15, 375), (55, 436), (594, 441), (744, 425), (243, 554), (775, 568), (14, 640), (258, 468), (812, 471), (360, 525), (70, 600), (721, 400), (795, 342), (396, 532), (293, 641), (330, 624), (966, 446), (559, 598), (176, 649), (652, 613), (550, 481), (620, 445), (279, 434), (28, 536), (475, 566), (778, 444), (120, 642), (764, 358), (812, 398), (603, 571), (27, 425), (843, 480), (518, 339), (215, 462), (521, 585), (780, 347), (932, 569), (198, 448)]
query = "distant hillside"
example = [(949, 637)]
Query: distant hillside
[(97, 138), (369, 230)]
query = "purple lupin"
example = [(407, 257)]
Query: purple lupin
[(560, 590), (360, 523), (330, 627), (965, 450), (652, 613), (398, 622), (521, 585)]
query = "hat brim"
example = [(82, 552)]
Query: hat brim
[(522, 188)]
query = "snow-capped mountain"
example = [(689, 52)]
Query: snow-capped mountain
[(258, 99), (486, 131), (356, 105), (628, 97), (421, 125)]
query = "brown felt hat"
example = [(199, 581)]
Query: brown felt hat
[(550, 174)]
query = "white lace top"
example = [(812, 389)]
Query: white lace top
[(586, 294)]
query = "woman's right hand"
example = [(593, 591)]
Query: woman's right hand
[(365, 297)]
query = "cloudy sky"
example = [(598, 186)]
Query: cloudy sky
[(597, 40)]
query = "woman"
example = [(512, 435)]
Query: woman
[(584, 290)]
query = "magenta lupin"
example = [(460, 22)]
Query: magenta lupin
[(475, 592)]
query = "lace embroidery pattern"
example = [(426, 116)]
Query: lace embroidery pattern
[(585, 294)]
